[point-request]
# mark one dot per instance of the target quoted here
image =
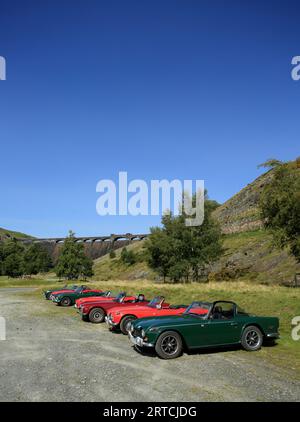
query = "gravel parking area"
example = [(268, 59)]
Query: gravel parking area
[(51, 355)]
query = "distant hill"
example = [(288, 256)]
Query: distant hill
[(6, 234)]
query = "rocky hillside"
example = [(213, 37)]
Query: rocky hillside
[(240, 213)]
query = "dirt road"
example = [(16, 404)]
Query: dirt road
[(51, 355)]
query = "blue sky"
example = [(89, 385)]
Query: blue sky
[(161, 89)]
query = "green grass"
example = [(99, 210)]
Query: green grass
[(12, 233), (29, 282), (106, 268), (277, 301)]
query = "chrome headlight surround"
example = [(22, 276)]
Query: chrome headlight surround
[(143, 334)]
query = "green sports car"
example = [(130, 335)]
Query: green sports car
[(68, 298), (203, 324)]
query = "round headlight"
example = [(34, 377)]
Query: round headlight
[(143, 333)]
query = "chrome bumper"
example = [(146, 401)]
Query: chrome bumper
[(273, 335), (109, 323), (138, 341)]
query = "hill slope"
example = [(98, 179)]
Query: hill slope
[(240, 213), (247, 256), (4, 233)]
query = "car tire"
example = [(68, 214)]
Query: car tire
[(66, 301), (97, 315), (124, 323), (169, 345), (84, 318), (252, 338)]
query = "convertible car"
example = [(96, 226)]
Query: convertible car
[(66, 288), (96, 310), (224, 323), (121, 318), (68, 298)]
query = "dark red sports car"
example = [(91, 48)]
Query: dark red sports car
[(96, 310)]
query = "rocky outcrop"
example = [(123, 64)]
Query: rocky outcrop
[(240, 213)]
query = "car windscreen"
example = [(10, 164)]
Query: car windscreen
[(119, 297), (198, 309), (78, 290), (154, 302), (241, 311)]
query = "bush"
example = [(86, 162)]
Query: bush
[(128, 257)]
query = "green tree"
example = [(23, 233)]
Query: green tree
[(128, 257), (182, 252), (36, 259), (13, 258), (112, 254), (72, 262), (280, 206)]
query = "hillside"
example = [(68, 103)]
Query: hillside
[(5, 234), (106, 268), (247, 256), (240, 213), (248, 251)]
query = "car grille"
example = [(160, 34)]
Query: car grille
[(136, 333)]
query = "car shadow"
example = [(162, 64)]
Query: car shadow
[(213, 350), (150, 352)]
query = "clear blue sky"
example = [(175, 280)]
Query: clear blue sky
[(188, 89)]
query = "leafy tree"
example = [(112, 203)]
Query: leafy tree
[(271, 163), (182, 252), (128, 257), (112, 254), (36, 259), (280, 206), (72, 261), (12, 258)]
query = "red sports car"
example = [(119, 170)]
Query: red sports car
[(96, 310), (121, 317)]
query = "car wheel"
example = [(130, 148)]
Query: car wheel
[(252, 338), (125, 323), (97, 315), (66, 301), (169, 345)]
